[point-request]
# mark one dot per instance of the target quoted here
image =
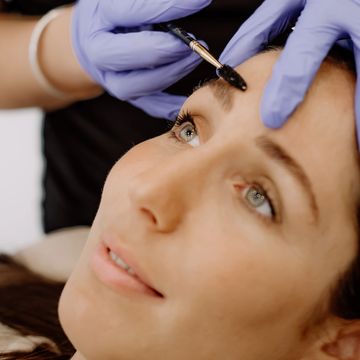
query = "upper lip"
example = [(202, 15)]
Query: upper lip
[(125, 255)]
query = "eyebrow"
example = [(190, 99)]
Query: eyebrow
[(222, 91), (278, 154)]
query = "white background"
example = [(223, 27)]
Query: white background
[(20, 178)]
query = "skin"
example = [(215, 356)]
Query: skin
[(237, 283), (18, 86)]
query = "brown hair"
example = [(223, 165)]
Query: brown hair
[(28, 304)]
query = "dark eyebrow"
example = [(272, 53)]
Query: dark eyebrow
[(222, 91), (277, 153)]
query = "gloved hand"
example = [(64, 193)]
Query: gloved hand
[(320, 24), (114, 44)]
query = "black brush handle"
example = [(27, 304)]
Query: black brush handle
[(177, 31)]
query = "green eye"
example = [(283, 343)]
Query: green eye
[(185, 130), (255, 197), (188, 133), (259, 201)]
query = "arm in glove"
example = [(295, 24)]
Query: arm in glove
[(114, 44), (320, 24)]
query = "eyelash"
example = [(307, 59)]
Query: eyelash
[(181, 119), (187, 117)]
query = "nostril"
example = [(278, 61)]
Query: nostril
[(149, 215)]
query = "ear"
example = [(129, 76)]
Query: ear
[(337, 339), (346, 345)]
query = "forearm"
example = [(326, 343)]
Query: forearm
[(18, 86)]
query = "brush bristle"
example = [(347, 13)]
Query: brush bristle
[(232, 77)]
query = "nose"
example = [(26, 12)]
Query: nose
[(163, 195)]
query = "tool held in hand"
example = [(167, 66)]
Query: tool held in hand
[(224, 71)]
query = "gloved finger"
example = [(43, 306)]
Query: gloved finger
[(348, 21), (346, 44), (144, 82), (138, 50), (296, 68), (268, 21), (131, 13), (354, 32), (160, 105)]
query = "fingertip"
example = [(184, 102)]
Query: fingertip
[(282, 95), (272, 111), (236, 52), (173, 115), (269, 116), (171, 111), (271, 119), (160, 105)]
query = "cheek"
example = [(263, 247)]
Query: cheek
[(235, 276)]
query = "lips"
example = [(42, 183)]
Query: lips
[(127, 265), (114, 267)]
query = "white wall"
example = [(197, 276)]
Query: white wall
[(20, 178)]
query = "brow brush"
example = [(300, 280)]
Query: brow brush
[(224, 71)]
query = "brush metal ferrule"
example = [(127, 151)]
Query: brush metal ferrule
[(204, 53)]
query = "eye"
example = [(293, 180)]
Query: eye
[(188, 134), (185, 130), (257, 199)]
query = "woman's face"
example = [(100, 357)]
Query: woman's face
[(241, 229)]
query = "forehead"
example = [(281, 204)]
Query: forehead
[(320, 135)]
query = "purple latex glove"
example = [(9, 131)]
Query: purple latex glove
[(114, 44), (320, 23)]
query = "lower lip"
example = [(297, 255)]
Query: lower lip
[(116, 277)]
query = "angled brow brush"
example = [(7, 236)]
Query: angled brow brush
[(224, 71)]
